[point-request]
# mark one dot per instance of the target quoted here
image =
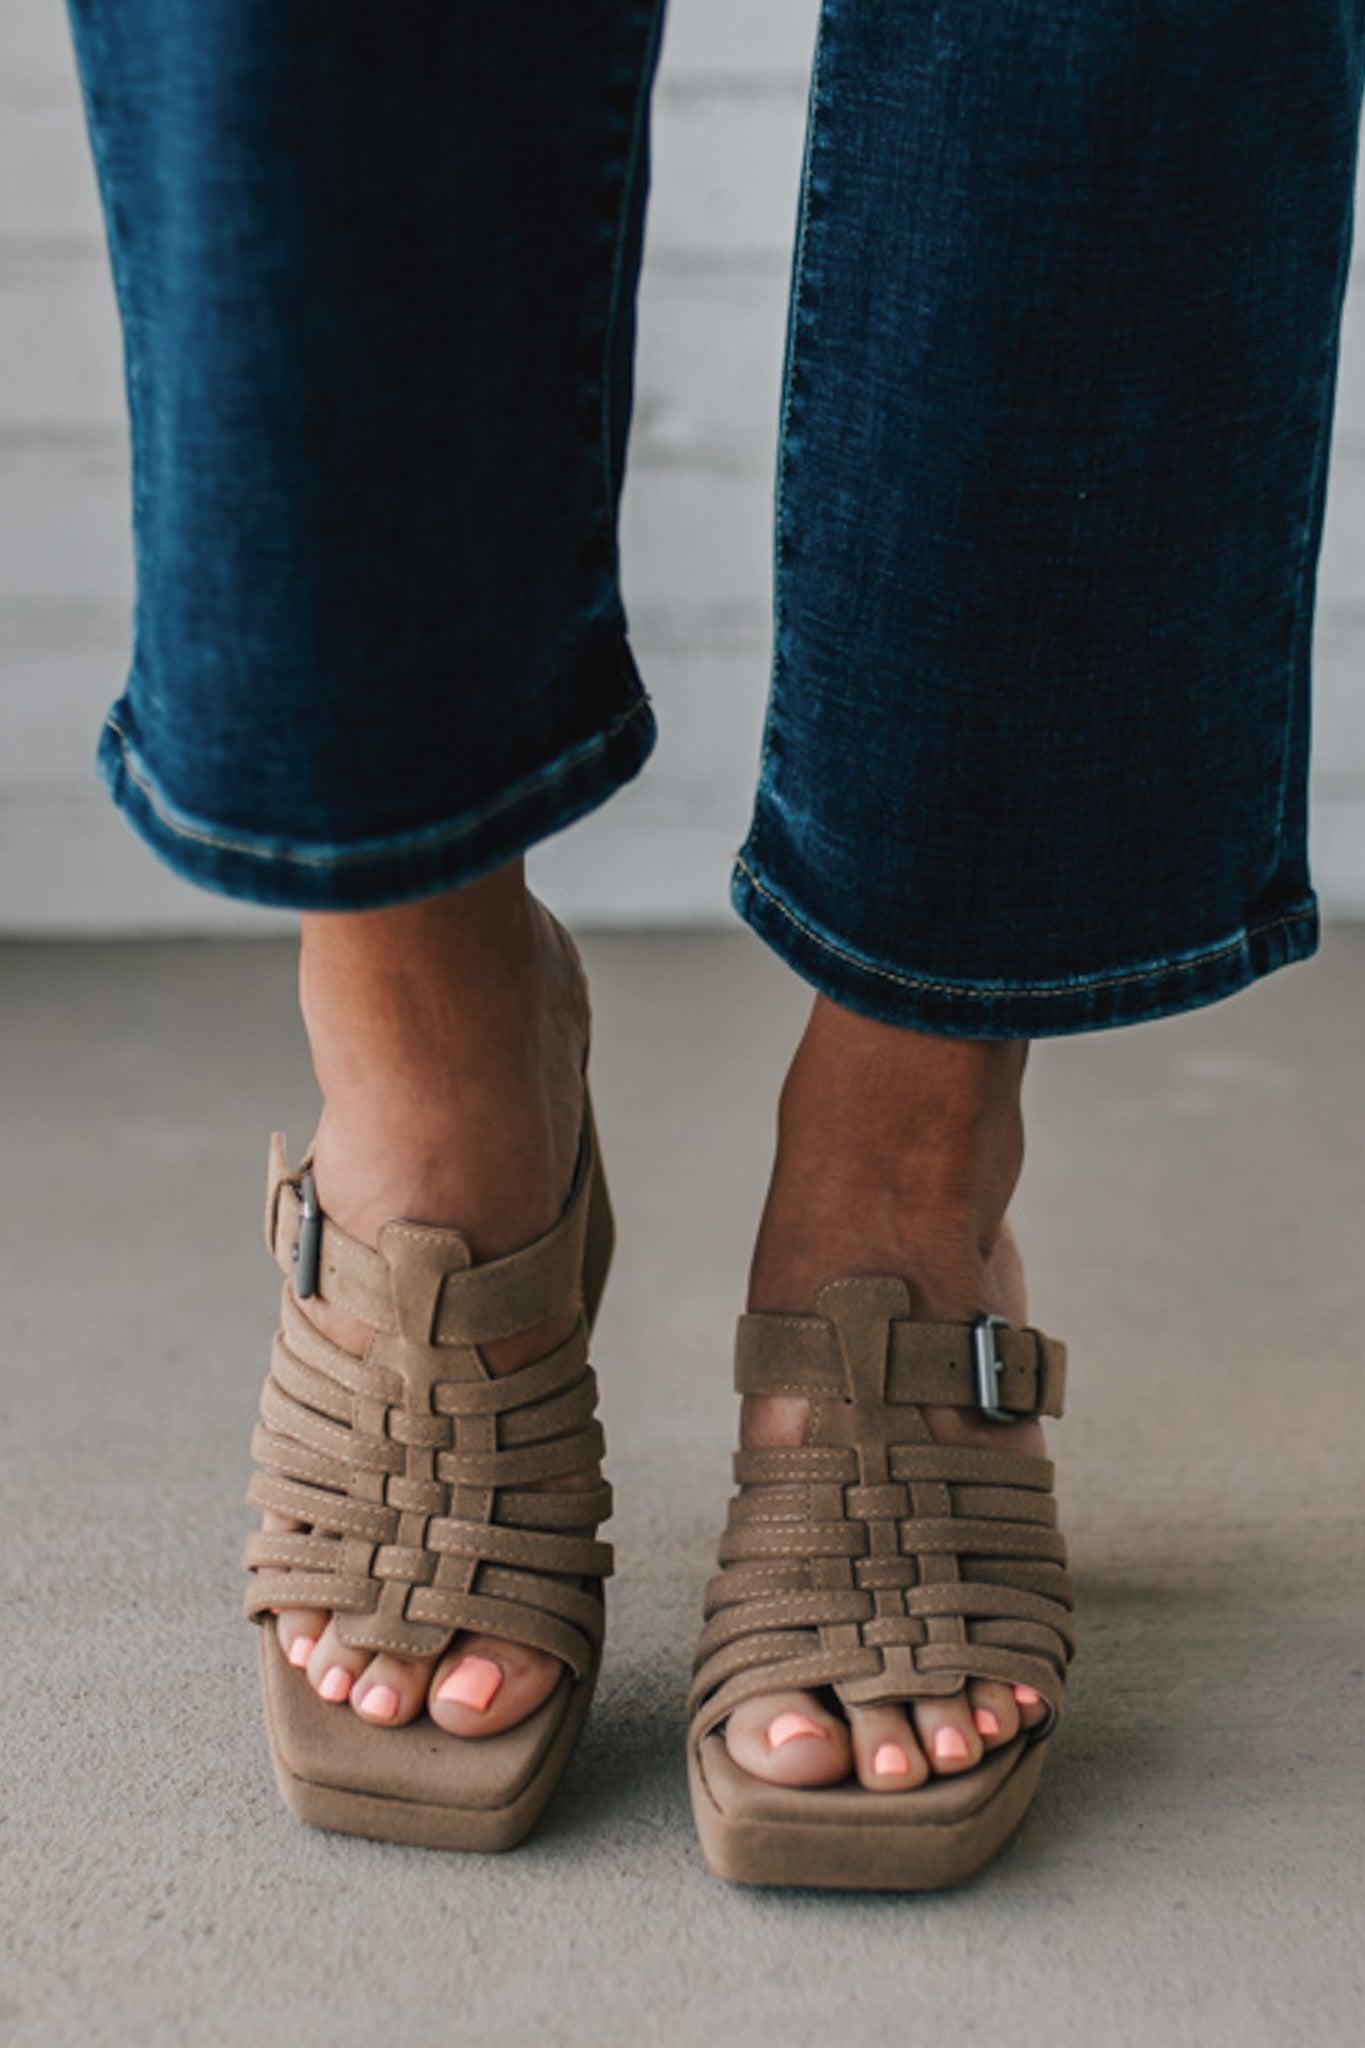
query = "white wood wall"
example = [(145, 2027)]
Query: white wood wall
[(728, 124)]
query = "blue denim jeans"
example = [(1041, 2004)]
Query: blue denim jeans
[(1062, 343)]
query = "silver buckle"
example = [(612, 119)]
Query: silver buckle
[(308, 1244), (989, 1366)]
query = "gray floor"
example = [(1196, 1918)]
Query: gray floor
[(1193, 1872)]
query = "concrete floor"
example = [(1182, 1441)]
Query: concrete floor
[(1193, 1872)]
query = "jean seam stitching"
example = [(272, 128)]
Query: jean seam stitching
[(798, 290), (630, 172), (411, 842), (1301, 627), (1300, 617), (1007, 992)]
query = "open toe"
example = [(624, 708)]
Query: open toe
[(884, 1564), (334, 1666), (947, 1734), (483, 1685), (1033, 1708), (299, 1630), (995, 1712), (391, 1691), (789, 1739), (886, 1755)]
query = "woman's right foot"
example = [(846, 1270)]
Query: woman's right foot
[(448, 1038)]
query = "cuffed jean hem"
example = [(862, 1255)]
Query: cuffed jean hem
[(1003, 1009), (365, 874)]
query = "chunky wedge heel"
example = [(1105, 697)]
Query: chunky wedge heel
[(884, 1566), (417, 1477)]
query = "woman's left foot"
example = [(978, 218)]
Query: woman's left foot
[(897, 1154)]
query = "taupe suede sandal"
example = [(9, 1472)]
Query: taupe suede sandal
[(415, 1469), (885, 1566)]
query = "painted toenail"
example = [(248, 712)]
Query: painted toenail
[(379, 1704), (473, 1683), (950, 1745), (336, 1684), (986, 1722), (301, 1649), (787, 1728), (891, 1761), (1026, 1696)]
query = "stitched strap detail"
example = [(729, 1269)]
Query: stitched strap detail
[(933, 1363), (415, 1471), (474, 1304), (870, 1558)]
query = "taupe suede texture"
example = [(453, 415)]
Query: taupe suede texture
[(885, 1566), (416, 1473)]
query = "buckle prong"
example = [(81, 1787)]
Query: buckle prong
[(989, 1366), (308, 1244)]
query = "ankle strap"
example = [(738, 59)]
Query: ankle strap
[(862, 1343), (471, 1304)]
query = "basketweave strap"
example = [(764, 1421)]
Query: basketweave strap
[(870, 1558), (419, 1475)]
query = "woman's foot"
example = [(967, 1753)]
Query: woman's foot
[(448, 1038), (897, 1154)]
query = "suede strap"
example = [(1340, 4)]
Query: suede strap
[(475, 1304), (932, 1363)]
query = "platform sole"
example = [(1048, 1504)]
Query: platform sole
[(485, 1828), (838, 1838)]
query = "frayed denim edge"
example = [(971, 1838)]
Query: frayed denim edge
[(964, 1009), (369, 873)]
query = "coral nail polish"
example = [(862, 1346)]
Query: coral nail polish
[(787, 1728), (336, 1683), (891, 1761), (473, 1683), (300, 1650), (950, 1746)]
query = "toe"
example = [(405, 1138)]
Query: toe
[(790, 1739), (995, 1712), (298, 1628), (947, 1733), (483, 1685), (391, 1690), (334, 1666), (886, 1755), (1032, 1705)]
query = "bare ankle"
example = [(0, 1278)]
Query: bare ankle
[(448, 1039), (482, 971), (900, 1153)]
